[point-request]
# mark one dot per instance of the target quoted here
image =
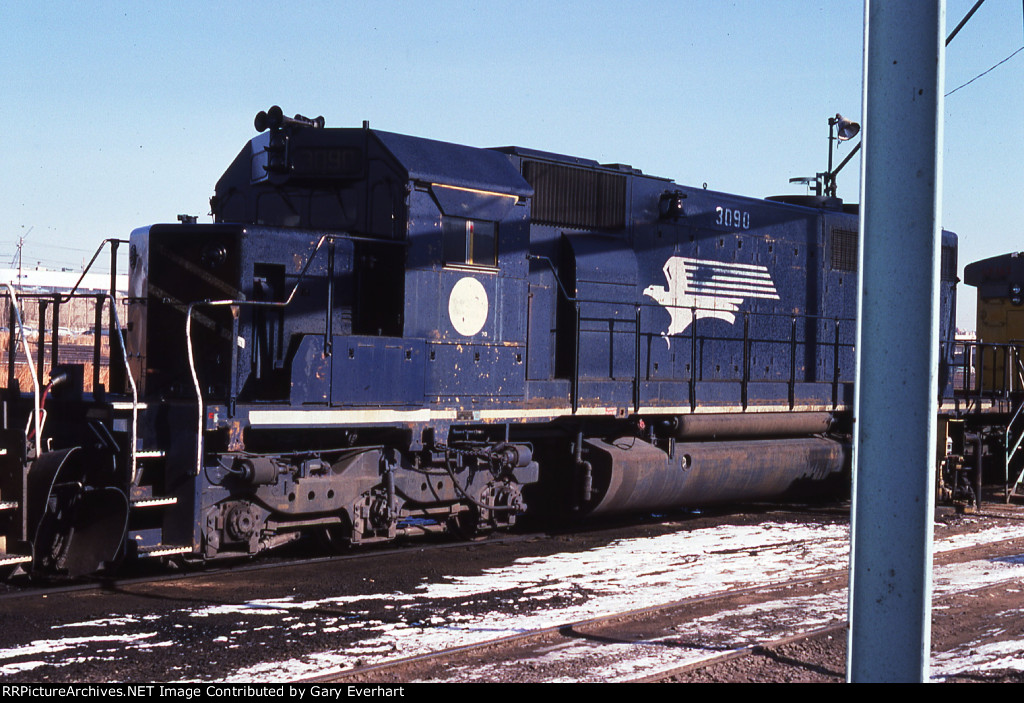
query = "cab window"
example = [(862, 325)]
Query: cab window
[(470, 241)]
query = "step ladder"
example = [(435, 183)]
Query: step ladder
[(145, 529), (7, 559), (1013, 439)]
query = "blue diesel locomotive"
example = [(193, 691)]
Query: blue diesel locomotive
[(382, 335)]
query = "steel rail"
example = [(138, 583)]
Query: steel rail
[(396, 667)]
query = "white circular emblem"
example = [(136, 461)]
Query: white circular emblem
[(467, 306)]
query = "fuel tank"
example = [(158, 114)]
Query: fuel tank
[(631, 475)]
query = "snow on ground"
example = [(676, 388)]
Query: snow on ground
[(545, 592), (992, 654), (637, 573), (625, 575), (64, 649)]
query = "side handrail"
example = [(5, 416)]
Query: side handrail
[(1018, 367), (989, 370), (554, 272), (746, 340), (116, 320), (200, 404), (114, 242), (118, 335), (31, 370), (1012, 445)]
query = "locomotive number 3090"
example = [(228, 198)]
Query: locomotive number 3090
[(732, 218)]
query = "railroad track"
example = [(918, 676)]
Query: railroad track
[(618, 605), (825, 664), (23, 587), (152, 571), (521, 646), (526, 656)]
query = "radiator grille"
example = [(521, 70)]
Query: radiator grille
[(576, 197), (948, 267), (844, 250)]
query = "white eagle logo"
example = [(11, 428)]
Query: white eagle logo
[(701, 288)]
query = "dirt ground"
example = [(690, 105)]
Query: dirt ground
[(212, 626), (966, 623)]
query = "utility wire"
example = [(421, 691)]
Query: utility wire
[(988, 71)]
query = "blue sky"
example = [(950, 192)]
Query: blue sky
[(123, 114)]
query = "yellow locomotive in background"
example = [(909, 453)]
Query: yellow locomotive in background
[(1000, 283)]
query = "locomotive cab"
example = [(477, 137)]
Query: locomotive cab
[(336, 302)]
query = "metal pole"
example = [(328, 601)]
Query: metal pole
[(897, 342)]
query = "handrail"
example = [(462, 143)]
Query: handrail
[(747, 339), (554, 272), (114, 242), (116, 320), (31, 369), (989, 370), (573, 299), (237, 303), (35, 373), (1011, 451)]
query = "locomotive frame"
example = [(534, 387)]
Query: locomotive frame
[(382, 335)]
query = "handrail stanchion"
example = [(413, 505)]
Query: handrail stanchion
[(97, 343), (576, 365), (693, 358), (745, 378), (792, 363), (1007, 378), (835, 367), (636, 365), (979, 354), (114, 243), (12, 342), (41, 341), (55, 334)]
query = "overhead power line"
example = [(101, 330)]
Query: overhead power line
[(983, 73)]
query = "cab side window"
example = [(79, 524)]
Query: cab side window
[(470, 241)]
